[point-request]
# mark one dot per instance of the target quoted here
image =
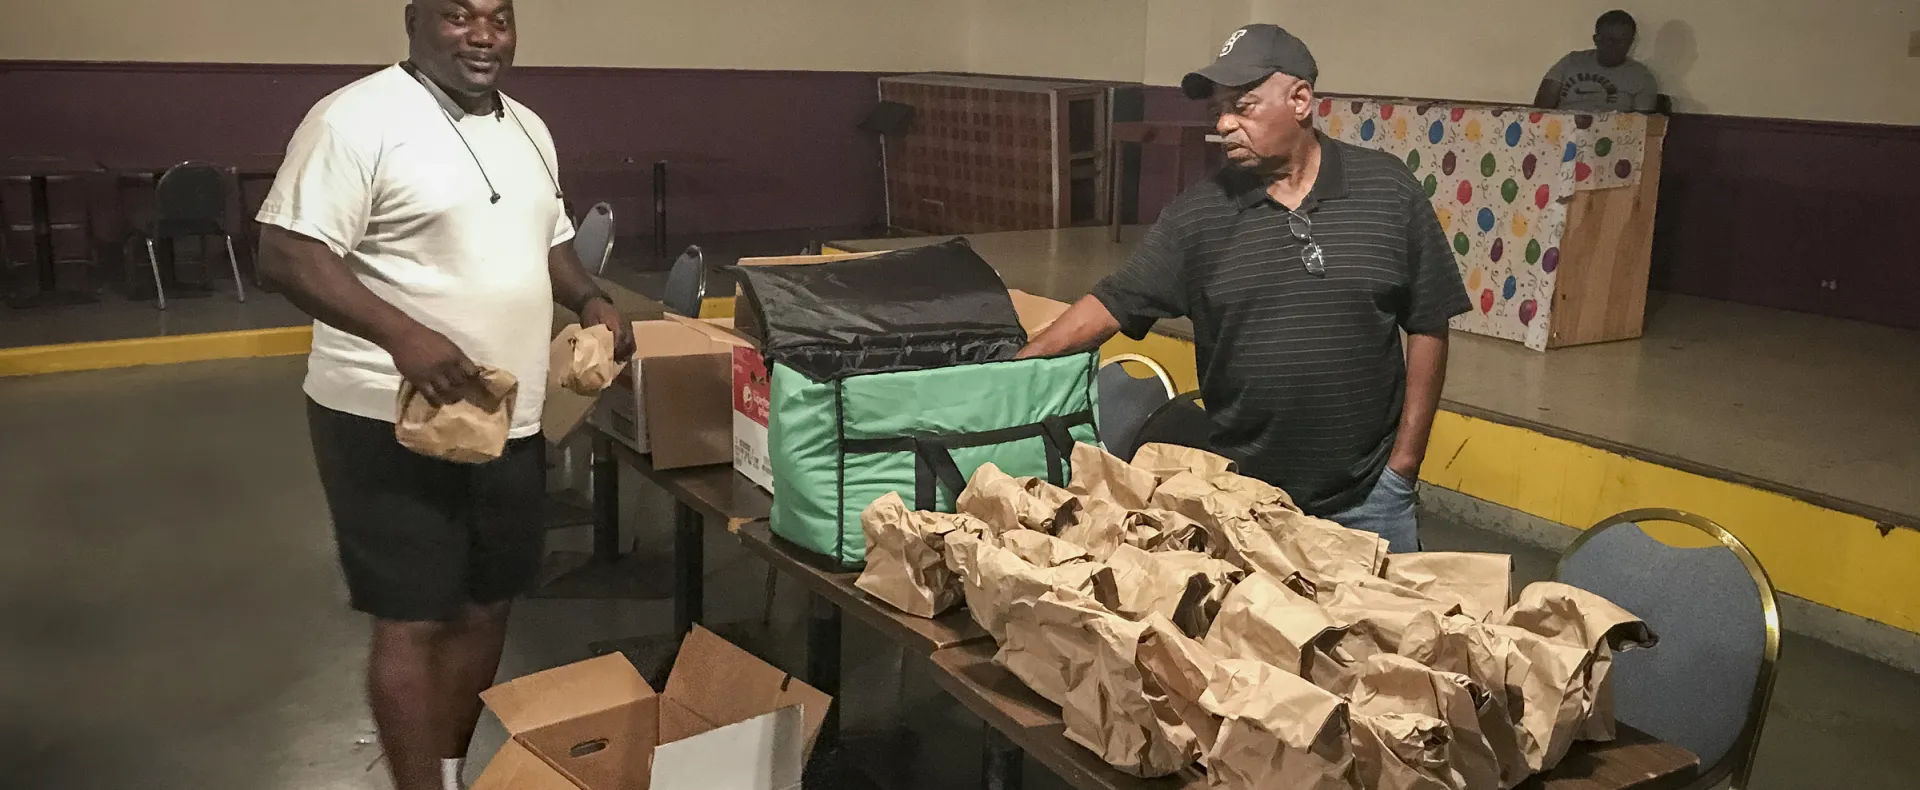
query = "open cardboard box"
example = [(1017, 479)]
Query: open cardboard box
[(752, 391), (727, 721), (672, 400)]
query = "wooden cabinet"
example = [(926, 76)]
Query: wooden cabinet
[(994, 153)]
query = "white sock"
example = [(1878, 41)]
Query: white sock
[(450, 770)]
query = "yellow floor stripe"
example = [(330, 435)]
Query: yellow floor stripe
[(277, 342)]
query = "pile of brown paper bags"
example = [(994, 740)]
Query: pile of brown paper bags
[(1179, 612)]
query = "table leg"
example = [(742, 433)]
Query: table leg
[(689, 576), (1116, 165), (823, 662), (606, 500), (43, 234), (660, 209), (1001, 762)]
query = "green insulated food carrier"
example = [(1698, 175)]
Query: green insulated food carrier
[(896, 372)]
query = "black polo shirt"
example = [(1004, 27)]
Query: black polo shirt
[(1303, 375)]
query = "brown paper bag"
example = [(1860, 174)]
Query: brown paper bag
[(906, 562), (1167, 460), (1097, 525), (1042, 549), (1569, 615), (1481, 583), (1462, 645), (1074, 652), (590, 363), (994, 579), (1258, 492), (473, 431), (1101, 475), (1323, 551), (1380, 609), (1164, 530), (1175, 669), (1183, 586), (1277, 731), (1230, 525), (1007, 503), (1400, 751), (1397, 684), (1263, 620)]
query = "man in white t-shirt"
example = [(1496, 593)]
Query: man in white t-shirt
[(1601, 79), (418, 219)]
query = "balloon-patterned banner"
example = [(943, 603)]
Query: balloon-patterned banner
[(1500, 179)]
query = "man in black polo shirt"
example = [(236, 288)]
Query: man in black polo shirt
[(1301, 263)]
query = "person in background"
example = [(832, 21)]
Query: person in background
[(418, 220), (1301, 264), (1601, 79)]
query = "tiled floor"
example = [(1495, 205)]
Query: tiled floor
[(171, 617)]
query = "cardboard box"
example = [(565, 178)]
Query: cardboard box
[(727, 721), (672, 400)]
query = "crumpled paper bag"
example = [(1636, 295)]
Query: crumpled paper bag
[(1183, 586), (1323, 551), (1263, 620), (590, 363), (1074, 652), (1569, 616), (1099, 474), (994, 579), (472, 431), (1464, 646), (1379, 609), (1258, 493), (1397, 684), (1007, 503), (1277, 730), (1233, 534), (1165, 530), (1097, 525), (1042, 549), (1167, 460), (1175, 670), (1482, 584), (1400, 751), (906, 562)]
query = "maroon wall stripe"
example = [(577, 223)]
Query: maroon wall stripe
[(788, 153)]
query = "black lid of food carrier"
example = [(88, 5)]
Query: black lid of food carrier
[(913, 309)]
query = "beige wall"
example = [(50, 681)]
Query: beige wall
[(856, 35), (1815, 59), (1841, 60)]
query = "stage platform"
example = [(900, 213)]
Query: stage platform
[(1800, 433)]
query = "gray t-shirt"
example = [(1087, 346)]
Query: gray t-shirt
[(1587, 85)]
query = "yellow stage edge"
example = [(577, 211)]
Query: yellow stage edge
[(72, 357)]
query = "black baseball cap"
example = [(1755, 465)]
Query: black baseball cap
[(1253, 53)]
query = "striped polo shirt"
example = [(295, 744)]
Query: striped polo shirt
[(1303, 374)]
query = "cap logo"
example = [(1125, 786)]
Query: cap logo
[(1232, 40)]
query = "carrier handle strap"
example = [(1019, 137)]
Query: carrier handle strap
[(933, 462), (1059, 448)]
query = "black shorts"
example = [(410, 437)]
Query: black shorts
[(419, 537)]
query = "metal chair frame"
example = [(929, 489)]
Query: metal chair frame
[(153, 257), (1739, 759)]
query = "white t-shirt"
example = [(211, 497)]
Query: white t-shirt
[(1587, 85), (377, 172)]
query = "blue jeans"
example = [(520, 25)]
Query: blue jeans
[(1387, 512)]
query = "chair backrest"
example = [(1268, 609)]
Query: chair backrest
[(1125, 401), (687, 283), (1182, 421), (1705, 686), (190, 200), (593, 241)]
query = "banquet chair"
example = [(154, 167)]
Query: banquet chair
[(1705, 686)]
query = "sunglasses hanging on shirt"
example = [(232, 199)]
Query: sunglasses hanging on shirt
[(501, 112)]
